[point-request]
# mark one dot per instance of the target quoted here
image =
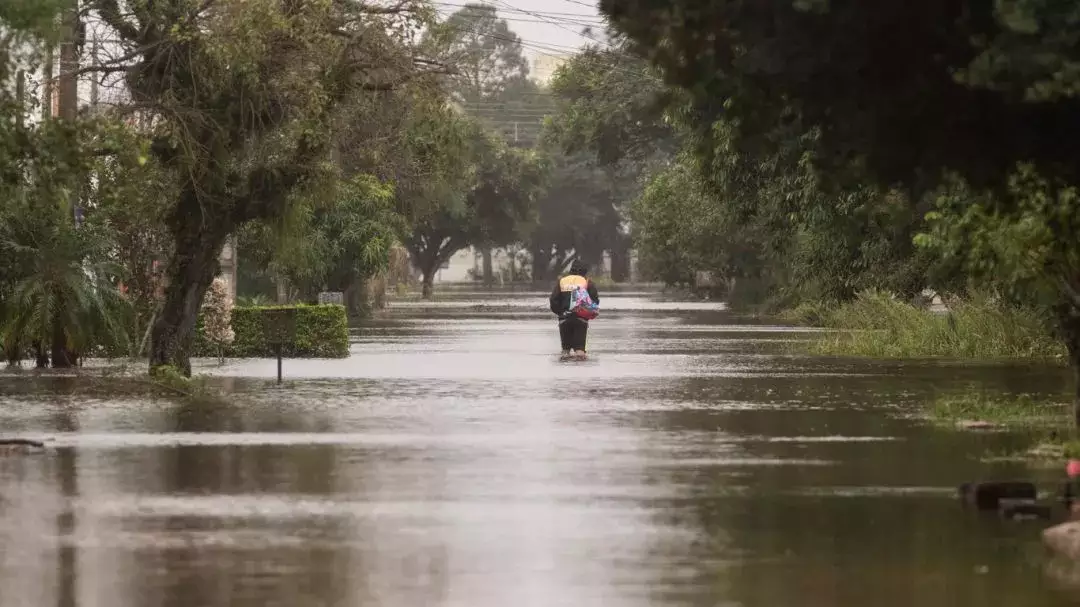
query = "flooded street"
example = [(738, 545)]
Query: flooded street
[(452, 460)]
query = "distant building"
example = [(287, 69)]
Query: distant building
[(458, 267), (543, 67)]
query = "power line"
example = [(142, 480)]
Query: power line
[(582, 34), (577, 16), (580, 3), (535, 45), (557, 48), (523, 20)]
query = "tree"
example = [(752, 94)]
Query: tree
[(577, 216), (491, 201), (679, 230), (611, 106), (333, 245), (244, 97), (128, 202), (486, 54), (217, 316), (60, 279), (906, 93), (490, 76), (58, 289)]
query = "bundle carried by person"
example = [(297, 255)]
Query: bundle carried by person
[(581, 305)]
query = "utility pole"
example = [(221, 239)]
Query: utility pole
[(68, 105), (67, 111)]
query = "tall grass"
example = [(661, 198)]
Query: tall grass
[(877, 325), (1015, 411), (807, 314)]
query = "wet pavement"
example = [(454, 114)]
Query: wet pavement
[(453, 460)]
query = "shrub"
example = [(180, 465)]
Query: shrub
[(217, 316), (877, 325), (808, 313), (321, 331)]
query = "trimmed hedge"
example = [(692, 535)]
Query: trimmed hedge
[(322, 331)]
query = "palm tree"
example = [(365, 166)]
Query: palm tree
[(63, 295)]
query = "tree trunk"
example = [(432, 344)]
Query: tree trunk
[(489, 267), (62, 357), (355, 298), (67, 108), (594, 260), (191, 271), (1069, 321), (375, 290), (541, 264), (620, 262), (428, 285), (41, 355)]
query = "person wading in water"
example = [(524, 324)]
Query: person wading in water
[(575, 301)]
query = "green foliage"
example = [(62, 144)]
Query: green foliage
[(490, 80), (971, 96), (808, 313), (762, 219), (486, 52), (65, 284), (329, 245), (773, 226), (246, 102), (130, 198), (1022, 410), (885, 82), (58, 282), (879, 326), (612, 105), (490, 203), (576, 214), (679, 229), (321, 331), (29, 16), (26, 26), (609, 131), (1030, 253)]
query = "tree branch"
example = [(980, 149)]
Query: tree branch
[(109, 11)]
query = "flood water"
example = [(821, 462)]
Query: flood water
[(453, 460)]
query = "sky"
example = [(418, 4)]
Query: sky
[(546, 27)]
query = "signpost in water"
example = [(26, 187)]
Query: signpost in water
[(280, 328)]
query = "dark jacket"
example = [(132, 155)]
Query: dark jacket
[(560, 295)]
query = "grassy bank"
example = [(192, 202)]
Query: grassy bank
[(1046, 423), (120, 381), (1013, 412), (877, 326)]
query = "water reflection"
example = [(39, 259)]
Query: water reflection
[(452, 461)]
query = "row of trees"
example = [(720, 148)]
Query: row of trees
[(319, 135), (810, 150)]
